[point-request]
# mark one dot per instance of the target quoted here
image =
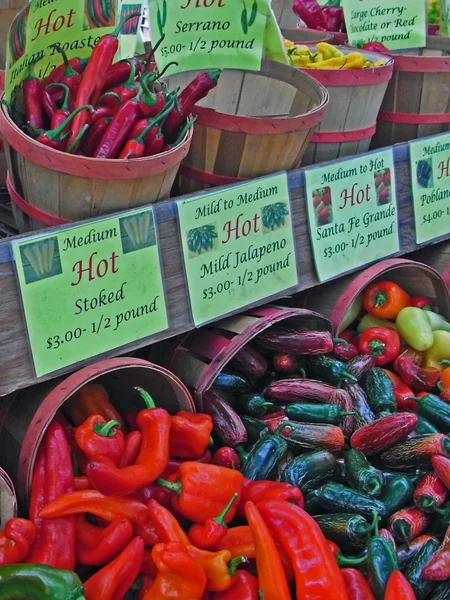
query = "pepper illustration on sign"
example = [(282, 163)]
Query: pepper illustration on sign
[(246, 19), (383, 186), (99, 13), (322, 206), (274, 215), (131, 26), (17, 36), (201, 239), (41, 260), (161, 16), (137, 232), (424, 173)]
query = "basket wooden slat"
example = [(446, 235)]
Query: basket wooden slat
[(284, 14), (8, 501), (417, 100), (252, 124)]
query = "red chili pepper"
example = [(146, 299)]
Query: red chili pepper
[(138, 128), (56, 138), (441, 466), (120, 72), (49, 104), (95, 133), (438, 567), (418, 378), (32, 96), (258, 491), (317, 574), (113, 581), (408, 523), (125, 91), (345, 351), (148, 533), (135, 148), (77, 64), (211, 533), (60, 114), (167, 527), (99, 546), (70, 77), (430, 492), (310, 12), (244, 587), (119, 129), (100, 440), (193, 93), (421, 302), (133, 442), (151, 103), (203, 490), (398, 587), (227, 457), (181, 136), (15, 541), (102, 112), (402, 392), (380, 342), (349, 336), (82, 483), (383, 433), (54, 544), (94, 78), (154, 143), (378, 47), (154, 424), (358, 587)]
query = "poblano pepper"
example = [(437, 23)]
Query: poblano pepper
[(39, 582)]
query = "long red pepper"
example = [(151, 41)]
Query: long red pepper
[(94, 77), (32, 96), (180, 138), (71, 78), (55, 538), (61, 114), (99, 546), (438, 567), (357, 586), (56, 138), (316, 571), (167, 527), (77, 64), (120, 72), (119, 129), (89, 145), (125, 91), (310, 12), (154, 424), (49, 104)]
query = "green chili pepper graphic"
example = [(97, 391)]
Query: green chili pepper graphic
[(273, 215), (253, 13), (201, 239), (164, 13), (244, 21)]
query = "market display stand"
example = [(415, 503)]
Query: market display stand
[(17, 368)]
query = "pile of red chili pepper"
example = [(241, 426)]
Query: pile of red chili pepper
[(329, 17), (319, 468), (100, 109)]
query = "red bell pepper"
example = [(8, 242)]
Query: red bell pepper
[(345, 351), (116, 578), (100, 440), (203, 490), (402, 392), (209, 534), (189, 435), (380, 342), (154, 424), (421, 302), (15, 541), (258, 491), (310, 12)]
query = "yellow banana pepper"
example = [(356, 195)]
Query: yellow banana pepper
[(299, 61), (328, 50), (440, 350), (301, 51), (331, 63), (355, 60)]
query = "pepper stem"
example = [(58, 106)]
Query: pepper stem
[(65, 104), (374, 522), (377, 347), (260, 595), (161, 73), (402, 530), (348, 414), (69, 71), (220, 519), (347, 375), (233, 564), (106, 429), (376, 529), (337, 341), (78, 139), (380, 298), (169, 485), (343, 561), (148, 400), (440, 386), (131, 76), (445, 362), (54, 134), (157, 45), (282, 426), (111, 95), (426, 503), (183, 132), (375, 488)]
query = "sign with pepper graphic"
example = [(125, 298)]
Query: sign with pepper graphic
[(430, 174), (90, 288), (238, 246), (204, 34), (352, 212)]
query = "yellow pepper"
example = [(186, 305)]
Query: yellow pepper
[(301, 51), (288, 44), (328, 50), (299, 61), (331, 63), (440, 350), (355, 60), (378, 63)]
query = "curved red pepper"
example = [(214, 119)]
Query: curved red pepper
[(358, 587), (98, 546), (438, 567), (125, 91)]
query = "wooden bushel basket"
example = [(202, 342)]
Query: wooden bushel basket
[(417, 101), (49, 187), (251, 124), (8, 501), (3, 167), (25, 416), (336, 299), (284, 14), (203, 353), (301, 35), (355, 100)]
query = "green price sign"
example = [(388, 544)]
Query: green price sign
[(238, 246), (204, 34), (352, 212), (90, 288), (430, 172), (397, 24)]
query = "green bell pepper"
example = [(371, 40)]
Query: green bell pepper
[(414, 327), (437, 321), (369, 321), (440, 350), (39, 582)]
